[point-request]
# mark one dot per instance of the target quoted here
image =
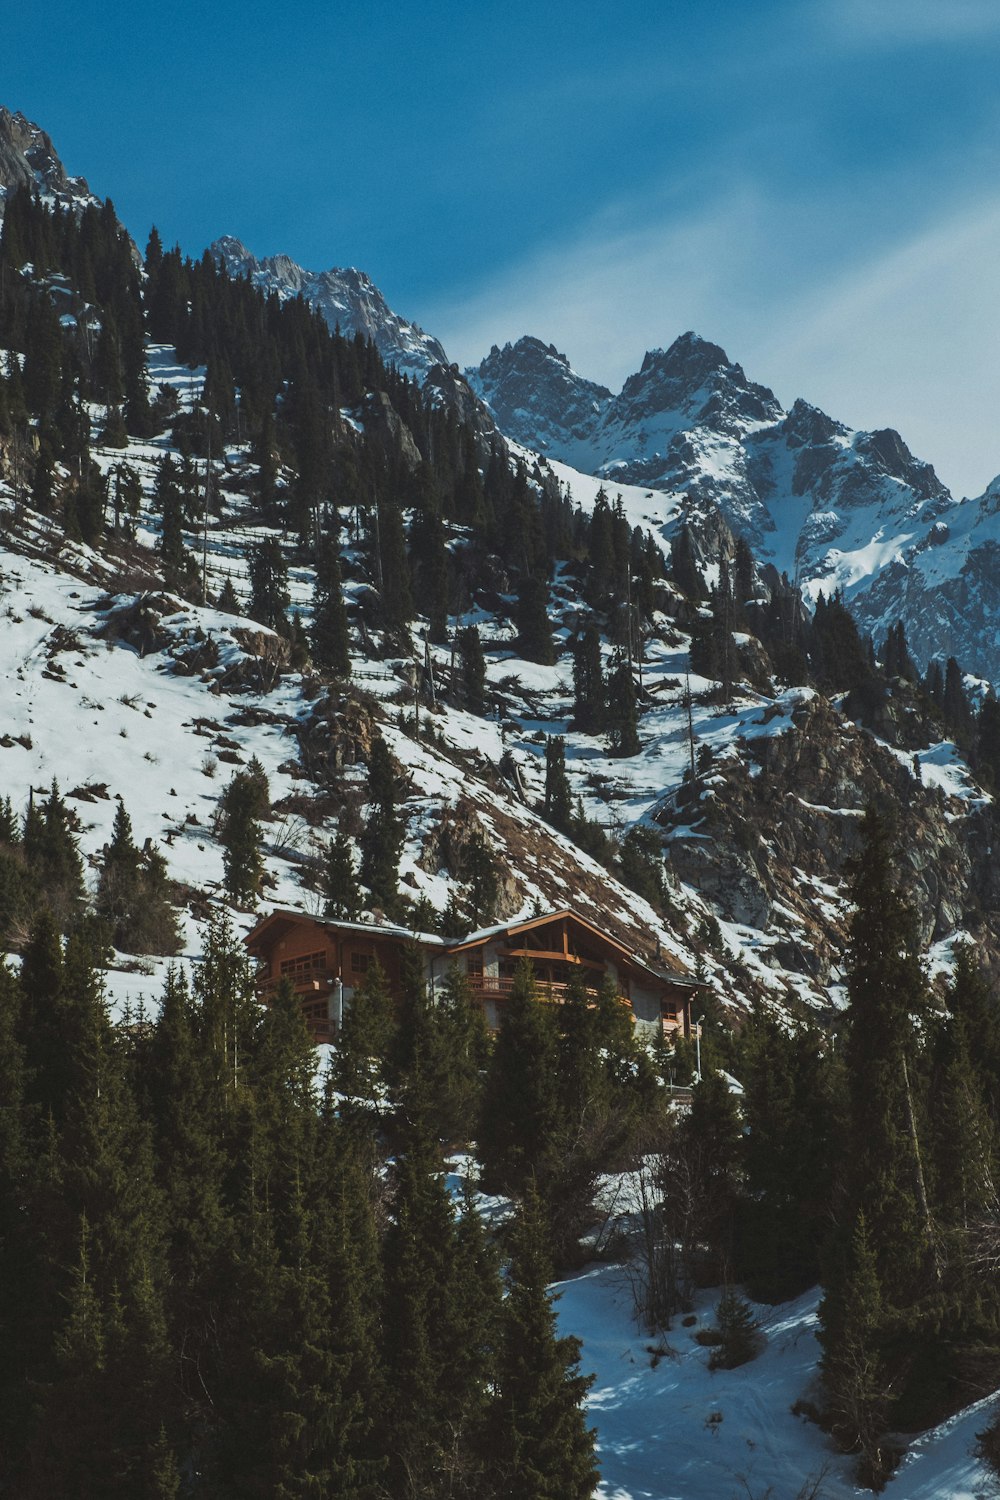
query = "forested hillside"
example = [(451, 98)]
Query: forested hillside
[(285, 626)]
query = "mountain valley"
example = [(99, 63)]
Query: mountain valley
[(651, 656)]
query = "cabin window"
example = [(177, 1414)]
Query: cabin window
[(359, 963), (474, 964), (306, 963)]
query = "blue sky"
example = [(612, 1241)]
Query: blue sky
[(813, 185)]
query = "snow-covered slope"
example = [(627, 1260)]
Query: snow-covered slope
[(164, 716), (345, 297), (668, 1428), (945, 585)]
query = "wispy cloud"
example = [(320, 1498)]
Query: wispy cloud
[(909, 339), (911, 21), (627, 283), (905, 336)]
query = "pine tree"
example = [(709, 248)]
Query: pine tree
[(465, 1043), (622, 711), (520, 1112), (482, 892), (683, 565), (382, 839), (367, 1038), (19, 895), (588, 682), (542, 1445), (269, 596), (955, 702), (886, 988), (347, 1196), (934, 683), (119, 884), (793, 1113), (471, 670), (329, 635), (886, 1179), (396, 596), (178, 564), (837, 653), (857, 1382), (712, 1142), (739, 1332), (340, 882), (18, 1230), (557, 807), (78, 1446), (971, 999), (53, 858), (228, 601), (897, 661), (441, 1299), (641, 858), (963, 1137), (241, 838), (744, 574), (429, 556), (534, 630), (189, 1128), (264, 454), (113, 1341)]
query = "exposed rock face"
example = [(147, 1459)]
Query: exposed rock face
[(383, 421), (345, 297), (537, 398), (446, 386), (28, 159), (945, 586), (768, 837)]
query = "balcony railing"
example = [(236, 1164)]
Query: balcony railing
[(501, 985), (317, 981)]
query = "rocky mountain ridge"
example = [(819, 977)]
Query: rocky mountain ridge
[(832, 507), (29, 159), (346, 298)]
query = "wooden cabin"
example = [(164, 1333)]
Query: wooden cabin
[(326, 959), (560, 945)]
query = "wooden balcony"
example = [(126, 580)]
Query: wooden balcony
[(318, 982), (487, 987)]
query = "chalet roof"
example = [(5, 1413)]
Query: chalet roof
[(511, 929), (334, 924)]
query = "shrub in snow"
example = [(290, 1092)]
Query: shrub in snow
[(740, 1339)]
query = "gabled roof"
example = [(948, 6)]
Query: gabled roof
[(512, 929), (280, 915)]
